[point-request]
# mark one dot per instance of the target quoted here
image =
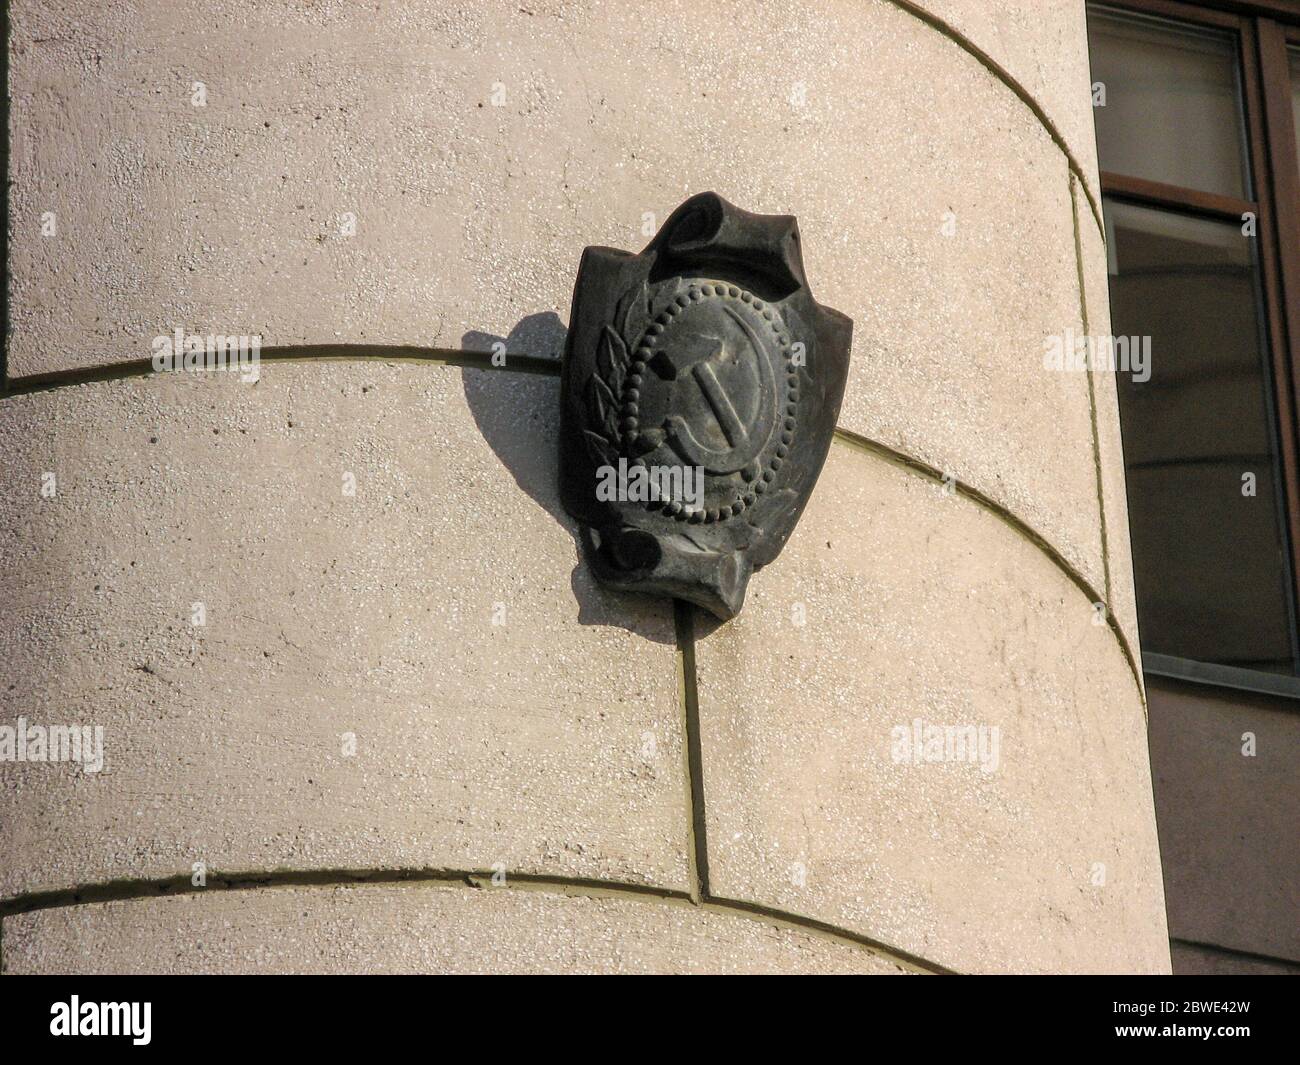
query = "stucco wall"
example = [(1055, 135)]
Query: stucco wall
[(658, 791)]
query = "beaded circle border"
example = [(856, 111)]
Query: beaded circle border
[(630, 395)]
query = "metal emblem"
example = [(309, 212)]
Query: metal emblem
[(700, 389)]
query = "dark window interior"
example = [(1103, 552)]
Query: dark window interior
[(1208, 484)]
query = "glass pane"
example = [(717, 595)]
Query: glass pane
[(1200, 451), (1295, 97), (1172, 104)]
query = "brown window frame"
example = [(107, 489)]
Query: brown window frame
[(1263, 31)]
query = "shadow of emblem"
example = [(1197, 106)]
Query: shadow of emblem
[(703, 355)]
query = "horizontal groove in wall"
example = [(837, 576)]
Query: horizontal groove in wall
[(138, 890), (533, 364), (915, 465), (143, 367), (1003, 75)]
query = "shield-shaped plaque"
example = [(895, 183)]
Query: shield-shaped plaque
[(700, 390)]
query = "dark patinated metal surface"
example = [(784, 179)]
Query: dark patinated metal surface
[(705, 361)]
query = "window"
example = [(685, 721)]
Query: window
[(1198, 121)]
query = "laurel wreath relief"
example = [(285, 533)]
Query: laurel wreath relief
[(605, 388)]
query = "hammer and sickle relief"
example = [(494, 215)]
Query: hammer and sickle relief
[(703, 352), (701, 358)]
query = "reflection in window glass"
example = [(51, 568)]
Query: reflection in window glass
[(1208, 535), (1172, 103)]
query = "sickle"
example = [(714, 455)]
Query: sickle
[(745, 446)]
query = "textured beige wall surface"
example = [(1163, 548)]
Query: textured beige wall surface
[(1109, 453), (1042, 46), (892, 605), (471, 216), (662, 797), (419, 929), (325, 615)]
